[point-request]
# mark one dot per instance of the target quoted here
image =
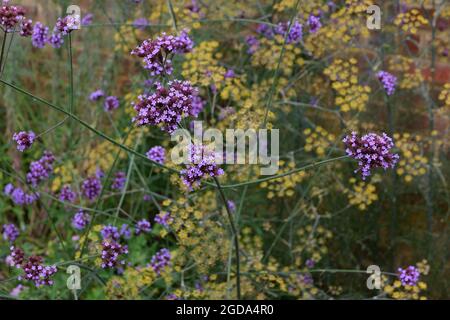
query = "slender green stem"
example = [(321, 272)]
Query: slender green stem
[(235, 237), (2, 51)]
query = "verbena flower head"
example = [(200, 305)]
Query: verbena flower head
[(67, 195), (119, 180), (157, 53), (143, 226), (41, 169), (96, 95), (157, 154), (388, 80), (87, 19), (166, 107), (16, 257), (160, 260), (409, 276), (66, 25), (202, 164), (56, 40), (295, 33), (26, 27), (252, 43), (110, 232), (24, 140), (10, 232), (314, 23), (37, 272), (371, 151), (91, 188), (80, 220), (111, 252), (125, 231), (10, 16), (140, 23), (164, 219), (39, 38), (19, 196), (111, 103)]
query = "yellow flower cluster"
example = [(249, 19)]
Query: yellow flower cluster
[(444, 95), (410, 21), (283, 186), (362, 195), (411, 77), (126, 38), (186, 17), (128, 285), (269, 52), (313, 241), (412, 162), (344, 79), (318, 140), (63, 175)]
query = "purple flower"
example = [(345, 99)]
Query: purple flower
[(10, 16), (143, 226), (166, 107), (91, 188), (66, 25), (157, 53), (41, 169), (37, 272), (140, 23), (265, 30), (157, 154), (231, 205), (295, 33), (125, 231), (310, 263), (119, 181), (197, 105), (56, 40), (10, 232), (66, 194), (202, 163), (15, 292), (9, 188), (110, 232), (164, 219), (80, 220), (314, 23), (40, 35), (111, 250), (111, 103), (87, 19), (26, 27), (160, 260), (96, 95), (20, 197), (24, 140), (252, 43), (388, 80), (409, 276), (16, 257), (371, 151)]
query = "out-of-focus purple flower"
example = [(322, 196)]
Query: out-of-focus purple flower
[(157, 53), (202, 164), (265, 30), (21, 198), (80, 220), (41, 169), (160, 260), (9, 188), (10, 16), (26, 27), (143, 226), (111, 250), (39, 38), (110, 232), (119, 181), (16, 257), (310, 263), (230, 73), (146, 197), (87, 19), (15, 292), (67, 194), (66, 25), (409, 276), (140, 23), (10, 232), (314, 23), (231, 205), (371, 151), (157, 154), (252, 43), (56, 40), (99, 174), (164, 219), (166, 107), (96, 95), (125, 231), (91, 188), (111, 103), (388, 80), (197, 105), (24, 140), (295, 33), (37, 272)]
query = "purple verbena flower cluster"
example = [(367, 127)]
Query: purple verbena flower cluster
[(371, 151), (157, 53), (119, 180), (16, 257), (91, 188), (388, 80), (110, 232), (157, 154), (41, 169), (160, 260), (24, 140), (37, 272), (96, 95), (202, 163), (19, 196), (13, 16), (164, 219), (80, 220), (166, 107), (66, 194), (409, 276), (143, 226), (39, 38), (111, 103), (111, 250), (10, 232), (314, 23)]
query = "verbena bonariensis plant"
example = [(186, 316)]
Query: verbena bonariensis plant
[(90, 114)]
